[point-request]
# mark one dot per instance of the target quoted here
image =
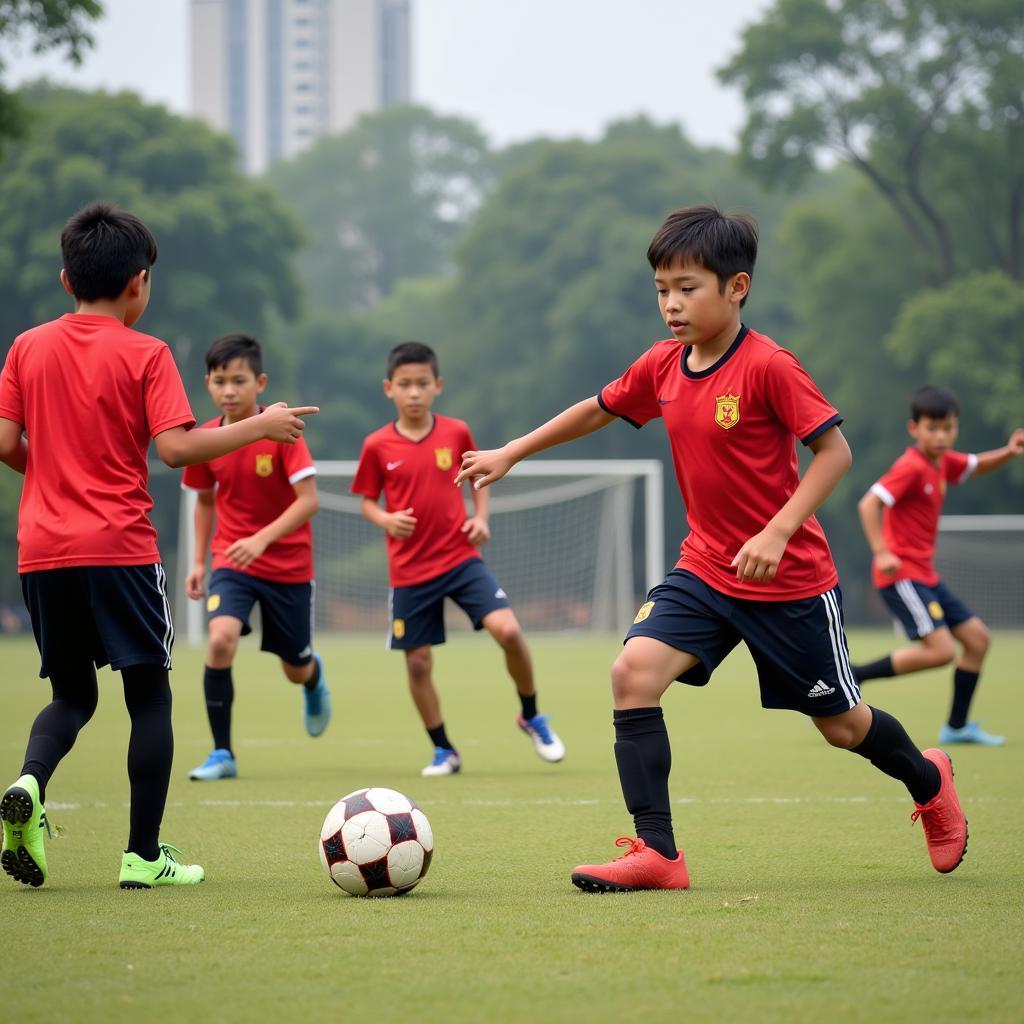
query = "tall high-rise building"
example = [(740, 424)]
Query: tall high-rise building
[(277, 74)]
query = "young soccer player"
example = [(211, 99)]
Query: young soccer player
[(755, 566), (432, 548), (900, 516), (89, 393), (262, 497)]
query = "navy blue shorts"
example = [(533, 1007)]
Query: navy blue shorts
[(799, 647), (116, 615), (286, 611), (921, 609), (416, 613)]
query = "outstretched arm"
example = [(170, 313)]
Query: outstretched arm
[(484, 468), (180, 447), (13, 446), (758, 559), (989, 462)]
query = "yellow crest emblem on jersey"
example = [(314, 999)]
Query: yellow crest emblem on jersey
[(264, 465), (398, 628), (213, 602), (443, 458), (727, 411), (645, 610), (935, 610)]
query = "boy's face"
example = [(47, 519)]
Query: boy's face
[(935, 436), (235, 389), (693, 306), (413, 388)]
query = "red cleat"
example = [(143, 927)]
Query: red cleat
[(945, 827), (639, 867)]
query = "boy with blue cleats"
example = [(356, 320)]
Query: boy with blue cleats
[(433, 549), (81, 398), (261, 498), (755, 566), (900, 516)]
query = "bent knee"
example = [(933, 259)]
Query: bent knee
[(420, 664), (837, 734), (940, 650), (222, 645), (629, 680)]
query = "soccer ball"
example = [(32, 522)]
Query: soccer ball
[(376, 842)]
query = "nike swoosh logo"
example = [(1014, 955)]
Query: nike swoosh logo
[(665, 401), (394, 465)]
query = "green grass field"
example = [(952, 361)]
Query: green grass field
[(813, 896)]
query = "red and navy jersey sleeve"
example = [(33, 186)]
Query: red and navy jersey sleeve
[(11, 405), (795, 398), (369, 480), (902, 478), (634, 396), (199, 477), (298, 463), (164, 394), (958, 466)]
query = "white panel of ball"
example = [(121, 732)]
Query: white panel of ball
[(366, 836), (405, 862), (424, 832), (347, 876), (389, 801)]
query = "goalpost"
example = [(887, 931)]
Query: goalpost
[(981, 558), (575, 543)]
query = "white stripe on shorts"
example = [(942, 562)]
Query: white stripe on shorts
[(842, 659), (912, 602), (391, 618), (161, 586)]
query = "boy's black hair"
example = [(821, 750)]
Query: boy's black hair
[(411, 352), (934, 402), (234, 346), (723, 243), (103, 249)]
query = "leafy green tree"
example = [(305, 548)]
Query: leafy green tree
[(44, 25), (385, 201), (914, 94)]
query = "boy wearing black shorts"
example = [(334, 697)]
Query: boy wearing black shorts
[(262, 498), (433, 549), (755, 566), (89, 393)]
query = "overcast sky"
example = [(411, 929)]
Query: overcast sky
[(519, 69)]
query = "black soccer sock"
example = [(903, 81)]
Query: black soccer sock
[(644, 759), (439, 737), (219, 688), (964, 684), (888, 747), (529, 705), (147, 695), (56, 727), (314, 679), (881, 669)]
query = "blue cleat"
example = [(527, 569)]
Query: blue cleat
[(219, 765), (549, 747), (972, 732), (446, 762), (317, 703)]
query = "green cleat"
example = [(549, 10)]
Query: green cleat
[(24, 817), (137, 873)]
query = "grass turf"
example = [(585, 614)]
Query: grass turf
[(812, 897)]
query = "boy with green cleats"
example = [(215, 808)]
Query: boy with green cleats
[(137, 873), (24, 818)]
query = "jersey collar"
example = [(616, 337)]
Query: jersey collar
[(414, 440), (725, 356)]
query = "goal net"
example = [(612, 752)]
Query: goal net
[(574, 543), (981, 558)]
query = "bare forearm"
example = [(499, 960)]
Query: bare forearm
[(830, 463), (869, 508), (203, 521), (989, 462), (300, 511), (481, 502), (577, 421), (372, 511), (17, 458), (180, 447)]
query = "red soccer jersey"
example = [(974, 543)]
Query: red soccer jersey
[(913, 491), (254, 486), (420, 475), (731, 429), (90, 394)]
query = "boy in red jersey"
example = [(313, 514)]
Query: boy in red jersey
[(432, 548), (90, 393), (900, 516), (262, 497), (755, 566)]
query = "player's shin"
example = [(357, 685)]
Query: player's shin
[(888, 747), (644, 760)]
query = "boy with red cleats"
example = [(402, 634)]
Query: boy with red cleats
[(755, 566), (900, 516)]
